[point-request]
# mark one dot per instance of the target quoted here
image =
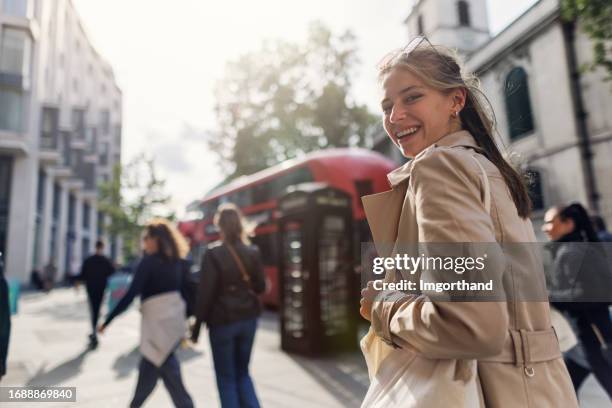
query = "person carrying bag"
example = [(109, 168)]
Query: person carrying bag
[(231, 279), (428, 349)]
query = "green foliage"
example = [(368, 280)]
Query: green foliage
[(286, 99), (595, 18), (133, 195)]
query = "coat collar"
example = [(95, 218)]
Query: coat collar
[(456, 139)]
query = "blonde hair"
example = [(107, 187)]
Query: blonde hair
[(231, 222), (172, 244), (439, 68)]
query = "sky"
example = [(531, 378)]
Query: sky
[(168, 55)]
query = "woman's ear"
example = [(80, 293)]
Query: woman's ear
[(458, 95)]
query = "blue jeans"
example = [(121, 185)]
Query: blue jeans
[(231, 346), (170, 372)]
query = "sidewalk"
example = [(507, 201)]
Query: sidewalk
[(48, 347)]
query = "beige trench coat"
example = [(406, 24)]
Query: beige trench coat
[(439, 197)]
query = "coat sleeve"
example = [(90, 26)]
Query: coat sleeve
[(449, 211), (209, 279), (135, 289)]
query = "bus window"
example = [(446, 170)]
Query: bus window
[(268, 247), (210, 208), (299, 175)]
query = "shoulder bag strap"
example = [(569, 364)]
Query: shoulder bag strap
[(243, 272)]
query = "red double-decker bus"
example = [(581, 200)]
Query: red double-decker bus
[(356, 171)]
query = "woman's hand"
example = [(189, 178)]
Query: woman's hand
[(368, 294), (101, 328)]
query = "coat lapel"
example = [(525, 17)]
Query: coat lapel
[(383, 211)]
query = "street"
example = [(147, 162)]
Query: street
[(48, 348)]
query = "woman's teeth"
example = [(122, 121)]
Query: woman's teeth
[(407, 132)]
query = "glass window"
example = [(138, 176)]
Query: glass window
[(6, 165), (535, 189), (464, 13), (40, 192), (20, 8), (105, 122), (86, 215), (11, 105), (15, 52), (518, 104), (78, 123), (57, 190), (49, 127)]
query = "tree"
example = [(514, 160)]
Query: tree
[(133, 195), (287, 99), (595, 17)]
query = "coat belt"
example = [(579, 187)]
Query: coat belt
[(523, 347)]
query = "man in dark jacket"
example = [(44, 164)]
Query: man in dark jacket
[(5, 320), (95, 272)]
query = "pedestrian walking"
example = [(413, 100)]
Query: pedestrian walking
[(5, 320), (49, 275), (159, 280), (231, 278), (459, 193), (95, 271), (580, 280), (601, 229)]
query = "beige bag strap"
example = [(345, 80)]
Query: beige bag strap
[(487, 187), (243, 272)]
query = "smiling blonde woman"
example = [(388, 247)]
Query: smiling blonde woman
[(457, 188)]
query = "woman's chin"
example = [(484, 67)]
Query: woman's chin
[(409, 151)]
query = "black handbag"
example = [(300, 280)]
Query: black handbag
[(240, 299)]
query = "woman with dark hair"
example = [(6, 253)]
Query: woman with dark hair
[(579, 287), (231, 278), (458, 196), (159, 280)]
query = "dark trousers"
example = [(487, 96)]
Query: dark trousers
[(95, 297), (170, 372), (599, 367), (231, 346)]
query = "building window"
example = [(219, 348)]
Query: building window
[(6, 165), (40, 192), (71, 212), (420, 26), (105, 122), (19, 8), (518, 104), (534, 187), (11, 105), (14, 74), (86, 216), (463, 10), (78, 123), (15, 52), (49, 128)]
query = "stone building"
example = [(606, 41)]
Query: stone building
[(552, 116), (60, 136)]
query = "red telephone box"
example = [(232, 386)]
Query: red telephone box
[(319, 291)]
